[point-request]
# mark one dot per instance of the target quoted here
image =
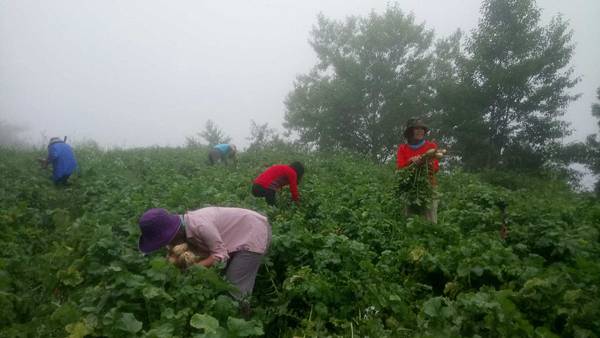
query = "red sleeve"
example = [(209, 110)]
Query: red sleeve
[(293, 179), (401, 158), (435, 164)]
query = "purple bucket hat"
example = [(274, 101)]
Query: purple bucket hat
[(158, 229)]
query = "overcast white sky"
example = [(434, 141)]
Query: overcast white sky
[(138, 73)]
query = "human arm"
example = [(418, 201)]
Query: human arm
[(208, 234), (431, 158), (43, 162), (183, 256), (208, 261), (403, 158), (52, 156), (434, 164), (52, 153), (233, 156), (293, 179)]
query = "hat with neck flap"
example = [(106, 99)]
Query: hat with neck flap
[(412, 123)]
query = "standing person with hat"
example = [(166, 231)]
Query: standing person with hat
[(418, 152), (222, 152), (239, 237), (276, 177), (61, 156)]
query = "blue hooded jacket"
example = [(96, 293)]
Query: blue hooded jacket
[(61, 156)]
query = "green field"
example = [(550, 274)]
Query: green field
[(345, 263)]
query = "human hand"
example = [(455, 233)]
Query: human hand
[(415, 159), (440, 153), (43, 162)]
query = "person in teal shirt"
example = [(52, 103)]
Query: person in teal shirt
[(222, 152)]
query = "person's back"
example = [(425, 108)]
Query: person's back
[(61, 156), (224, 148), (222, 152), (239, 229), (275, 177)]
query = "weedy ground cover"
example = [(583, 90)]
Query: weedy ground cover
[(345, 263)]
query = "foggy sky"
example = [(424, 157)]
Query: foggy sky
[(139, 73)]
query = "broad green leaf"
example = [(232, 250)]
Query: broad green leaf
[(70, 277), (129, 323), (478, 271), (163, 331), (219, 333), (432, 306), (152, 292), (77, 330), (66, 313), (206, 322), (242, 328)]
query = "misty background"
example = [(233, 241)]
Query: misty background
[(141, 73)]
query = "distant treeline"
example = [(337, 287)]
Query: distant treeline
[(494, 96)]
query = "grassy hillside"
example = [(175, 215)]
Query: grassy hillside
[(344, 263)]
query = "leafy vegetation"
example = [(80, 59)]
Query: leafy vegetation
[(413, 187), (592, 158), (341, 264)]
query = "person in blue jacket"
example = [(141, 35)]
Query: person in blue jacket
[(61, 156), (222, 152)]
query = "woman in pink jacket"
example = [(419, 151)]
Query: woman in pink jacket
[(239, 237)]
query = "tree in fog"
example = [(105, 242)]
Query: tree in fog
[(456, 121), (262, 136), (212, 134), (372, 75), (593, 144), (516, 77)]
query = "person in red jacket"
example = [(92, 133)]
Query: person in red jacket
[(413, 153), (275, 177)]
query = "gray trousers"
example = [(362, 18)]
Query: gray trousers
[(430, 212), (215, 156), (241, 271)]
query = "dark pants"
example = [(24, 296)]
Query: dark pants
[(268, 194), (429, 211), (214, 156)]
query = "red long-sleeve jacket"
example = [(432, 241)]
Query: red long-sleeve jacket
[(405, 152), (277, 176)]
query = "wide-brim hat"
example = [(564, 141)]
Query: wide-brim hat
[(414, 123), (158, 228)]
